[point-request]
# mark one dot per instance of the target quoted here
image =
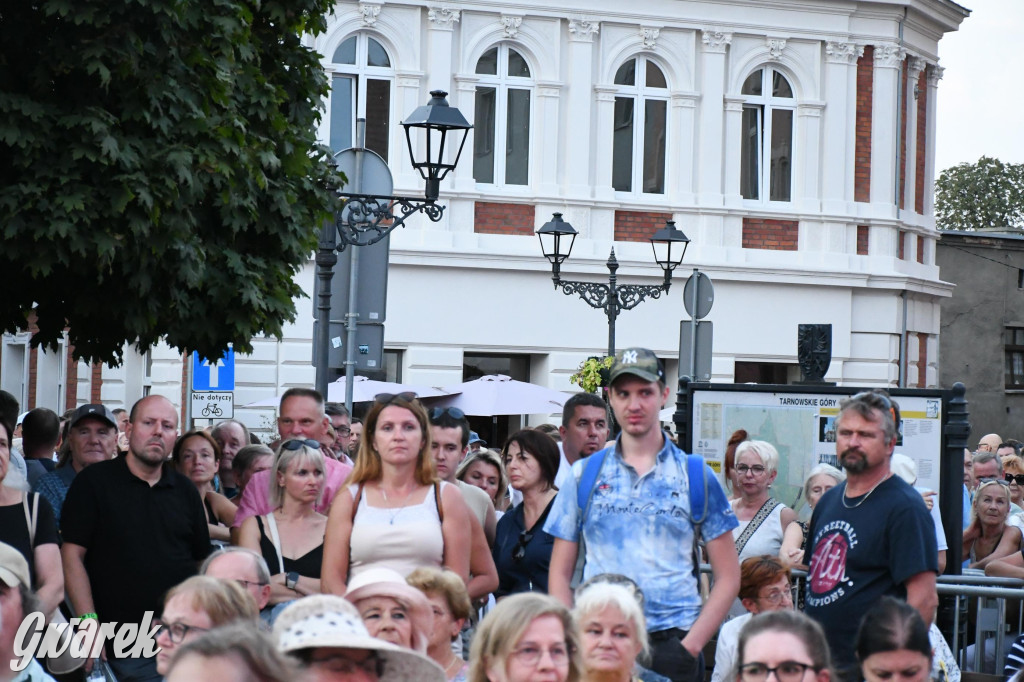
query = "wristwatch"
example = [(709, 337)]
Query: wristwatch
[(291, 579)]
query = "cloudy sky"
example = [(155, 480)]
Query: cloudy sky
[(982, 91)]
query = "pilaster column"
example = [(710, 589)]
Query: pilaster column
[(579, 157), (884, 126), (709, 155), (465, 91), (683, 109), (839, 124), (604, 96), (806, 191), (545, 138), (916, 66), (933, 77), (408, 93), (733, 131), (441, 22)]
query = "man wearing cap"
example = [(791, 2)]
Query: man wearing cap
[(16, 602), (637, 522), (92, 437), (133, 528), (476, 443)]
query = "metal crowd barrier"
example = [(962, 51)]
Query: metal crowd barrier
[(992, 601)]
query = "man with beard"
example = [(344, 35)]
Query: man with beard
[(869, 536), (133, 528)]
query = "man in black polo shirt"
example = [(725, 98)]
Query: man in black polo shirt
[(133, 528)]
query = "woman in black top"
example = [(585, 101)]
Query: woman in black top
[(291, 539), (18, 513), (522, 550)]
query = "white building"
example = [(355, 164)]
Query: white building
[(793, 142)]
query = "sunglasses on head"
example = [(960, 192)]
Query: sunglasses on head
[(1019, 478), (438, 412), (298, 444), (388, 398)]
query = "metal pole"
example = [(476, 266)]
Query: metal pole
[(352, 317), (693, 324), (612, 307), (326, 259)]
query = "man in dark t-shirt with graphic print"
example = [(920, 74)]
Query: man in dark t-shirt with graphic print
[(870, 536)]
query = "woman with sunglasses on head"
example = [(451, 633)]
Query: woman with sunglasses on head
[(989, 537), (522, 550), (291, 538), (786, 645), (397, 514)]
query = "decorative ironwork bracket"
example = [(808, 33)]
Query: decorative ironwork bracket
[(365, 219)]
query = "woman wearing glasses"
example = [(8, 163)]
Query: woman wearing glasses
[(1013, 472), (522, 550), (526, 638), (195, 606), (989, 537), (291, 538), (397, 514), (787, 644), (763, 519)]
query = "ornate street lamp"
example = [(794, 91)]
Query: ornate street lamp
[(668, 243)]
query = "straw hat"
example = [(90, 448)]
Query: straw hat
[(386, 582), (325, 620)]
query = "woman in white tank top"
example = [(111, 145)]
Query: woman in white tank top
[(396, 514)]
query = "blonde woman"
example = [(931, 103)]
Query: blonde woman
[(763, 519), (291, 538), (613, 632), (484, 469), (989, 537), (527, 637)]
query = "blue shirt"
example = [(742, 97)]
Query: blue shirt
[(54, 487), (641, 527)]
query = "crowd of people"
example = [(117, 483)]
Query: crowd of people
[(405, 549)]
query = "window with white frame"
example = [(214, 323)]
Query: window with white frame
[(766, 166), (501, 140), (361, 80), (640, 127)]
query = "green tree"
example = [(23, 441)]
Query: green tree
[(988, 193), (160, 176)]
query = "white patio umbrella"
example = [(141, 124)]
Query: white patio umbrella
[(496, 394), (363, 389)]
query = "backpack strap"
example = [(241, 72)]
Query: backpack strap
[(697, 469), (438, 502), (588, 480)]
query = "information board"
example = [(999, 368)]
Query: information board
[(801, 425)]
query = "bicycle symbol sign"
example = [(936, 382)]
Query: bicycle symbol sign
[(213, 404)]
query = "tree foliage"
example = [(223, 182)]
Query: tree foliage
[(988, 193), (160, 176)]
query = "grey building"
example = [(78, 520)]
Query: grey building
[(981, 341)]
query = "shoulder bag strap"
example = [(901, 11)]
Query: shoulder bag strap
[(272, 527), (355, 502), (760, 517), (437, 501), (31, 516)]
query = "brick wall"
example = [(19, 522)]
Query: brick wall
[(920, 249), (901, 239), (71, 381), (862, 158), (186, 361), (903, 138), (638, 226), (922, 140), (774, 235), (33, 364), (922, 360), (96, 384), (863, 234), (495, 218)]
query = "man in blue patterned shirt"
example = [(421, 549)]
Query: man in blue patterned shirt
[(637, 522)]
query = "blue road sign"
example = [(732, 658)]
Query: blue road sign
[(217, 375)]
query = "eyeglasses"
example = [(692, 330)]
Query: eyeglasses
[(530, 655), (757, 469), (776, 597), (342, 664), (438, 412), (246, 584), (344, 431), (519, 551), (388, 398), (1019, 478), (176, 631), (787, 671), (298, 444)]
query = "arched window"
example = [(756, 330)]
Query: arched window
[(501, 146), (766, 167), (638, 150), (361, 87)]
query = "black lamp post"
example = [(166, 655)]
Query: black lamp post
[(365, 219), (556, 240)]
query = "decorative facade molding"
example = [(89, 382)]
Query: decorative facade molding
[(649, 36), (684, 100), (917, 65), (510, 25), (605, 93), (369, 11), (935, 75), (715, 41), (889, 56), (443, 18), (843, 53), (810, 109), (583, 30), (775, 47), (733, 103)]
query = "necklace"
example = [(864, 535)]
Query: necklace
[(448, 672), (866, 496), (397, 510)]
